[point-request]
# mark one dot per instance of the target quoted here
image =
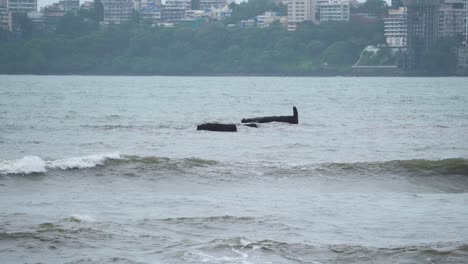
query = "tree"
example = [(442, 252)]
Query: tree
[(72, 25), (341, 53), (378, 8), (23, 25)]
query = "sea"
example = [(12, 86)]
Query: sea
[(101, 169)]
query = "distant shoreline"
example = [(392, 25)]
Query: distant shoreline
[(233, 75)]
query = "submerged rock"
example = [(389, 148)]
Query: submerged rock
[(294, 119), (218, 127)]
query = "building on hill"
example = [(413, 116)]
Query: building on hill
[(365, 18), (268, 18), (334, 10), (395, 28), (219, 13), (211, 4), (53, 12), (397, 4), (300, 11), (174, 10), (117, 11), (422, 31), (87, 5), (21, 6), (150, 10), (452, 18), (462, 65), (71, 5), (5, 18)]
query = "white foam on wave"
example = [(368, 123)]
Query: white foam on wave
[(34, 164), (81, 218), (26, 165), (82, 162), (200, 256)]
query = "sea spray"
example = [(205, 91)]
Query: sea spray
[(25, 165), (34, 164)]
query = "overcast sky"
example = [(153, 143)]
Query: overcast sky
[(42, 3)]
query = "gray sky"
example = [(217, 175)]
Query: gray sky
[(42, 3)]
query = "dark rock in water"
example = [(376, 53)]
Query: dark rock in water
[(294, 119), (251, 125), (218, 127)]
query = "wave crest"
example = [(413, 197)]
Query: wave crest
[(34, 164), (26, 165), (415, 166)]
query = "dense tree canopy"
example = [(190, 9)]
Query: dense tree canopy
[(214, 48), (79, 45), (251, 9)]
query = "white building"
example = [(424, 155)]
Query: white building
[(268, 18), (87, 5), (194, 14), (219, 13), (211, 4), (300, 11), (334, 10), (396, 28), (150, 10), (21, 6), (5, 18), (117, 11), (71, 5), (452, 17), (174, 10)]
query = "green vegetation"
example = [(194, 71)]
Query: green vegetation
[(377, 8), (79, 47), (384, 56), (251, 9)]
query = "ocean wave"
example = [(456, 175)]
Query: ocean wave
[(26, 165), (80, 218), (415, 166), (241, 250), (34, 164)]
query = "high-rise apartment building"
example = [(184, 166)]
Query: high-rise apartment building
[(334, 10), (300, 11), (117, 11), (5, 18), (396, 28), (150, 10), (466, 23), (21, 6), (452, 18), (423, 29)]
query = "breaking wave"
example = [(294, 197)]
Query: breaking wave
[(34, 164)]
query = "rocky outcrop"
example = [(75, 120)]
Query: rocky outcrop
[(294, 119), (218, 127)]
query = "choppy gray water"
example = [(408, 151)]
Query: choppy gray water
[(112, 170)]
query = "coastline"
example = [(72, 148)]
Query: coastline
[(233, 75)]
